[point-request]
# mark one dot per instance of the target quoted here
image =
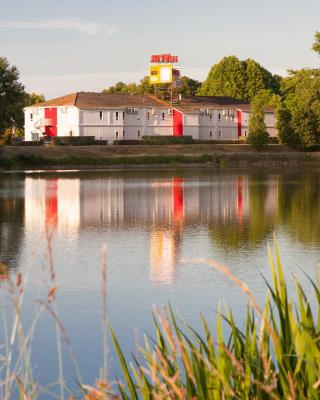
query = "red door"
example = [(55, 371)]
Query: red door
[(177, 123), (51, 114)]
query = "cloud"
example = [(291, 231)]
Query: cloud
[(67, 24)]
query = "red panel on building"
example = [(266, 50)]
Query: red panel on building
[(239, 117), (51, 114), (177, 123)]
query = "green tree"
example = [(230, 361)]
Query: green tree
[(227, 78), (189, 87), (12, 98), (268, 98), (119, 87), (239, 79), (258, 135), (34, 98), (285, 131), (301, 93), (316, 44)]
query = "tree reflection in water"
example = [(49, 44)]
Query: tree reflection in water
[(11, 221)]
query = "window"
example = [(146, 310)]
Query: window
[(139, 134), (117, 135), (232, 118), (219, 117), (210, 117), (245, 133), (123, 114), (219, 134), (124, 134), (148, 115), (210, 134), (163, 116), (117, 116), (31, 117), (101, 115)]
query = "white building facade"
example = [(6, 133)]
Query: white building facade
[(130, 117)]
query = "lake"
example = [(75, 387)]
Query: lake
[(153, 224)]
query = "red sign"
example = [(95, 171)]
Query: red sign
[(164, 58)]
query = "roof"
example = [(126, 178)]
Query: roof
[(93, 101), (68, 100), (193, 104)]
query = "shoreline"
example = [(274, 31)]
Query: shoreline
[(151, 157)]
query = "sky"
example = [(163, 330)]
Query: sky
[(65, 46)]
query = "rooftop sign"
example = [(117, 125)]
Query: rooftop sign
[(164, 58)]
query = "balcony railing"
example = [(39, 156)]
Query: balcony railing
[(46, 122)]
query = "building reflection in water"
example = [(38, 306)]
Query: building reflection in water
[(229, 206), (165, 243), (52, 203)]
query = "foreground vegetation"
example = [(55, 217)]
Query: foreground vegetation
[(276, 355)]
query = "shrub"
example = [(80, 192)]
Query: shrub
[(127, 142), (73, 140), (167, 139)]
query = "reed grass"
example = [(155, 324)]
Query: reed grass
[(275, 356)]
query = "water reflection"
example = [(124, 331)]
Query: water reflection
[(236, 209), (11, 220), (248, 214), (166, 243), (150, 220), (52, 203)]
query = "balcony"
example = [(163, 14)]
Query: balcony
[(46, 122)]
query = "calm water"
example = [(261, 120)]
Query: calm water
[(153, 224)]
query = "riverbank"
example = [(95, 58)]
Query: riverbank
[(141, 156)]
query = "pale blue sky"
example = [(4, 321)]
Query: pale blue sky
[(72, 45)]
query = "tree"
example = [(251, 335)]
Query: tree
[(258, 135), (189, 87), (239, 79), (285, 131), (34, 98), (268, 98), (119, 87), (12, 98), (316, 44), (301, 94)]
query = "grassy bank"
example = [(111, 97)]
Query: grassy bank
[(275, 356), (215, 155)]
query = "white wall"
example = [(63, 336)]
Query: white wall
[(191, 125), (67, 121), (29, 125), (124, 125), (270, 121), (118, 124)]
